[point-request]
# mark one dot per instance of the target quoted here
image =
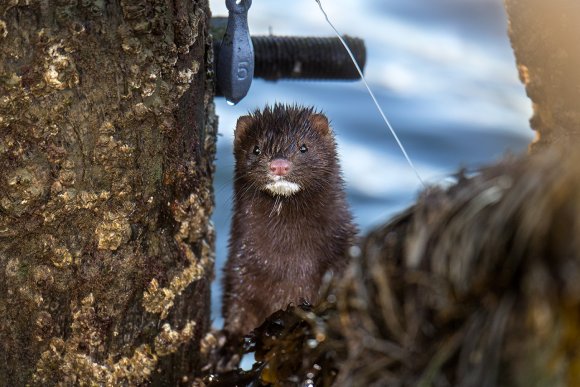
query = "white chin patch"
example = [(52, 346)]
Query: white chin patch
[(282, 188)]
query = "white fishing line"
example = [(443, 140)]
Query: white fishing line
[(372, 95)]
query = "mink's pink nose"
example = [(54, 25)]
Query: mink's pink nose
[(280, 167)]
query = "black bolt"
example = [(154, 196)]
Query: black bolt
[(283, 57)]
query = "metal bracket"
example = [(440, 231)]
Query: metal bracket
[(235, 63)]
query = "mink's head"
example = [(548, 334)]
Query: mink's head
[(284, 150)]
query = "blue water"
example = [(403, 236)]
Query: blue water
[(442, 70)]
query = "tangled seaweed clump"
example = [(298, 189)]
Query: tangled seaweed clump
[(476, 285), (290, 348)]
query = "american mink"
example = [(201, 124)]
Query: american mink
[(291, 222)]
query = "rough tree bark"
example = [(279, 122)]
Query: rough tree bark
[(107, 138), (544, 37)]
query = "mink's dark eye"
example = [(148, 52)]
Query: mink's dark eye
[(257, 150), (303, 148)]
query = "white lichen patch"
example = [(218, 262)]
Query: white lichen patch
[(148, 89), (107, 128), (25, 186), (57, 254), (24, 178), (61, 257), (67, 175), (51, 78), (30, 295), (169, 340), (76, 367), (43, 324), (12, 267), (195, 67), (158, 300), (71, 361), (88, 200), (3, 29), (112, 231), (134, 370), (68, 200), (131, 45), (192, 217), (184, 78), (161, 300), (211, 340), (140, 110), (148, 83), (60, 72), (13, 80), (195, 18), (193, 272), (112, 154)]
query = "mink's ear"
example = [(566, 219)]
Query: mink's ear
[(244, 123), (319, 122)]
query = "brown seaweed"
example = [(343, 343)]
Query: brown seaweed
[(475, 285)]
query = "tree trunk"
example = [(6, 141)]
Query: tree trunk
[(544, 37), (106, 150)]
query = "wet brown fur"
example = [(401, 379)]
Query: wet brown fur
[(281, 247)]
